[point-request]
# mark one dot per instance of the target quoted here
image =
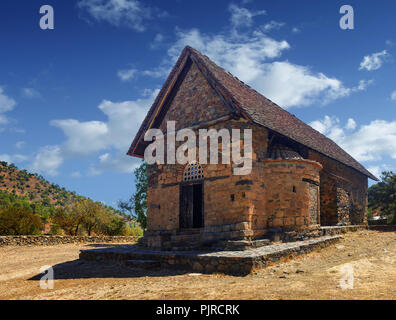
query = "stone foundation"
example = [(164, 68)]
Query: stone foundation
[(237, 263), (166, 240)]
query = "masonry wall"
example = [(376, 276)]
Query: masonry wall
[(57, 240), (286, 200), (343, 193), (227, 197), (195, 102)]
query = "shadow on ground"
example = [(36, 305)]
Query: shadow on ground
[(82, 269)]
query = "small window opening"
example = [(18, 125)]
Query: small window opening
[(243, 195), (233, 197), (294, 189), (193, 172)]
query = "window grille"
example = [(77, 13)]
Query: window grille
[(193, 172)]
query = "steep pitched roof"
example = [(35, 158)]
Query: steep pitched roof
[(242, 99)]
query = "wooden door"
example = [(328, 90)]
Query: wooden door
[(187, 207), (191, 206)]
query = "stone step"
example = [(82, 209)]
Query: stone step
[(186, 236), (222, 261), (184, 248), (239, 245), (144, 264)]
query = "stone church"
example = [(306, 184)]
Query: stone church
[(300, 179)]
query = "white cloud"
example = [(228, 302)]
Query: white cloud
[(374, 61), (296, 30), (129, 13), (119, 162), (285, 83), (324, 126), (393, 96), (242, 17), (127, 74), (15, 158), (31, 93), (272, 25), (377, 170), (351, 124), (243, 57), (159, 72), (6, 104), (20, 144), (87, 138), (84, 138), (158, 39), (47, 160), (369, 142)]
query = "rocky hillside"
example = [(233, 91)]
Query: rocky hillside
[(34, 188)]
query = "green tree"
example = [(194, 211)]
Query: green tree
[(137, 204), (68, 219), (382, 196), (114, 226), (17, 220), (92, 213)]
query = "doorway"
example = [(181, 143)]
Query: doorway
[(191, 206)]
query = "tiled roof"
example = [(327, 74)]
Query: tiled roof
[(256, 107)]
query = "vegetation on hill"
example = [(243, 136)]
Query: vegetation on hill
[(382, 197), (31, 205), (137, 204)]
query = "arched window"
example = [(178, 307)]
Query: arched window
[(193, 172)]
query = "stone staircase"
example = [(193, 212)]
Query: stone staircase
[(188, 240), (241, 245), (235, 262), (144, 264), (191, 240)]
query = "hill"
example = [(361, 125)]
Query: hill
[(27, 190), (33, 187)]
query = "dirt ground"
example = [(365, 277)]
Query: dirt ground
[(371, 254)]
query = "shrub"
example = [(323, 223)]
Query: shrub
[(112, 225), (133, 231), (17, 220), (55, 229)]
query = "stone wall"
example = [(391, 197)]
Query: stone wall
[(194, 102), (56, 240), (227, 197), (343, 193), (283, 194)]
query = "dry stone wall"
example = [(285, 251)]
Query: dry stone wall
[(56, 240)]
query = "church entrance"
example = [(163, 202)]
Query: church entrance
[(191, 197), (191, 211)]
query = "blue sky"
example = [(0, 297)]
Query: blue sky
[(72, 98)]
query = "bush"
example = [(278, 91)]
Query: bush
[(114, 226), (133, 231), (19, 221), (55, 230)]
